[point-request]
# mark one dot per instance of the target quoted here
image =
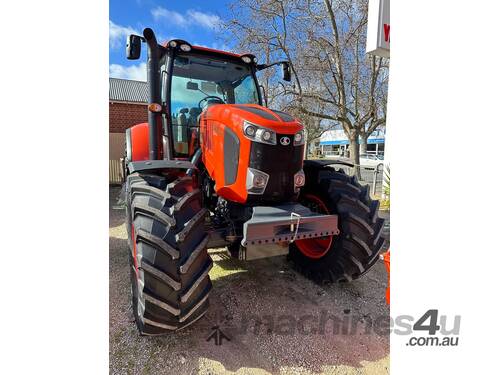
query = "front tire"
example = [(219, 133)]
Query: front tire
[(356, 249), (169, 263)]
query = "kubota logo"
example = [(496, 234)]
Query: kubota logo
[(285, 141)]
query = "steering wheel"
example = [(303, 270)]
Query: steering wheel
[(206, 98)]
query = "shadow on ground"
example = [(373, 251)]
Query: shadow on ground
[(291, 310)]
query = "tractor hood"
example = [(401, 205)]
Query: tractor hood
[(236, 114), (240, 142)]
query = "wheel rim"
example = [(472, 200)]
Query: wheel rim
[(315, 247)]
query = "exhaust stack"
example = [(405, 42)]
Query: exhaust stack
[(154, 119)]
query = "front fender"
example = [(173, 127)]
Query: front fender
[(137, 142)]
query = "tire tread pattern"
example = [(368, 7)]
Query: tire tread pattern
[(356, 249), (171, 284)]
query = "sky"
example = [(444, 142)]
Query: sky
[(195, 21)]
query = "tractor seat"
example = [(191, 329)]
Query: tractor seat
[(192, 118), (182, 119)]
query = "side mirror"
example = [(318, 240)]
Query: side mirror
[(285, 66), (134, 47)]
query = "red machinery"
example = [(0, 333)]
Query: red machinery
[(215, 167)]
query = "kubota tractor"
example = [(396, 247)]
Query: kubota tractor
[(214, 167)]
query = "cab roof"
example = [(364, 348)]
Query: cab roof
[(209, 51)]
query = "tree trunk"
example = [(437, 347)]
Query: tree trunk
[(363, 144), (354, 153)]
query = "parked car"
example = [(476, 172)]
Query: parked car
[(370, 160)]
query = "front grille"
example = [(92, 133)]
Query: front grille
[(279, 185), (280, 163)]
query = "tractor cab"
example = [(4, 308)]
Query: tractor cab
[(185, 80), (202, 77)]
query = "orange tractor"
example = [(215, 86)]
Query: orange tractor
[(214, 167)]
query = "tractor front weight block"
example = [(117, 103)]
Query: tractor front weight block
[(286, 223)]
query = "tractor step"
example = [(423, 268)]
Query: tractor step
[(286, 223)]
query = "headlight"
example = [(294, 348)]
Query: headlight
[(256, 181), (298, 139), (247, 59), (299, 180), (250, 131), (266, 135), (185, 47), (258, 133)]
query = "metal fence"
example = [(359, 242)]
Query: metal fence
[(115, 172), (370, 175), (339, 153), (373, 176)]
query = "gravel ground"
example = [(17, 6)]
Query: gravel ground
[(291, 308)]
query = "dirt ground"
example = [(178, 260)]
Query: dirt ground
[(304, 328)]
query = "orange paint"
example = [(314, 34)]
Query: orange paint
[(139, 136), (213, 121), (387, 261), (315, 248)]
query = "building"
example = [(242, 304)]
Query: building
[(335, 143), (127, 107)]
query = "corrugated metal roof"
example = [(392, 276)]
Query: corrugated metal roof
[(125, 90)]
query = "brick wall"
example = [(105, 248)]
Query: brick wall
[(124, 115)]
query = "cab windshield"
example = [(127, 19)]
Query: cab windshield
[(199, 81)]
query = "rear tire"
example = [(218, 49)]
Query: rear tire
[(169, 263), (356, 249)]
